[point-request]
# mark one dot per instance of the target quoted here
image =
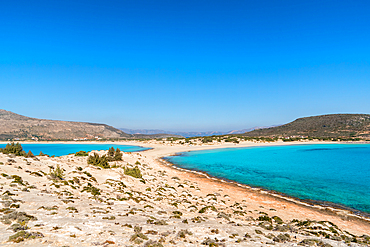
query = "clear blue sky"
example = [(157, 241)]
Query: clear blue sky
[(184, 65)]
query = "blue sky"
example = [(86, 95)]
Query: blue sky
[(184, 65)]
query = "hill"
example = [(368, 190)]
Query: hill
[(14, 126), (333, 126), (171, 133), (166, 133)]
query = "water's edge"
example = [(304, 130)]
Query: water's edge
[(313, 204)]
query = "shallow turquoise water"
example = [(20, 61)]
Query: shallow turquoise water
[(64, 149), (334, 173)]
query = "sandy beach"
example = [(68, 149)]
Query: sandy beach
[(168, 206)]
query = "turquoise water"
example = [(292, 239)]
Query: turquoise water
[(333, 173), (64, 149)]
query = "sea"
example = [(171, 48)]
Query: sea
[(59, 149), (327, 174)]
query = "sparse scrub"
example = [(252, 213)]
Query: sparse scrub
[(23, 235), (152, 243), (133, 172), (138, 237), (183, 233), (203, 210), (81, 153), (30, 154), (91, 189), (96, 160), (13, 148), (72, 209), (20, 217), (56, 173), (114, 155)]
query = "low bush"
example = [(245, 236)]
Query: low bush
[(56, 173), (23, 235), (81, 153), (114, 155), (97, 160), (91, 189), (13, 148), (133, 172)]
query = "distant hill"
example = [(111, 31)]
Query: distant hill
[(17, 126), (184, 133), (333, 125), (176, 133), (154, 136)]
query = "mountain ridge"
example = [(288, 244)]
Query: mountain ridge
[(189, 133), (15, 126), (329, 125)]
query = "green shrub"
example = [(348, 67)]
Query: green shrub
[(96, 160), (56, 173), (23, 235), (118, 155), (133, 172), (91, 189), (203, 210), (81, 153), (264, 218), (110, 152), (277, 219), (13, 148), (114, 155)]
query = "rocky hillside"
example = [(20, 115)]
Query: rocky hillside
[(17, 126), (333, 125)]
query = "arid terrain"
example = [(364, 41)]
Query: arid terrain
[(161, 206)]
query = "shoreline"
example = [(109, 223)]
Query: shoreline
[(165, 205), (294, 207), (159, 151), (332, 210), (312, 204), (342, 213)]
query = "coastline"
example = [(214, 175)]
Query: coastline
[(313, 204), (333, 210), (291, 207), (169, 205), (178, 149), (344, 214)]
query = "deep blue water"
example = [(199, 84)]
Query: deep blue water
[(64, 149), (336, 173)]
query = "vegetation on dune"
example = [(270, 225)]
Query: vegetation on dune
[(30, 154), (23, 235), (91, 189), (13, 148), (100, 161), (81, 153), (133, 172), (118, 155), (114, 155), (56, 173), (42, 154), (16, 149)]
